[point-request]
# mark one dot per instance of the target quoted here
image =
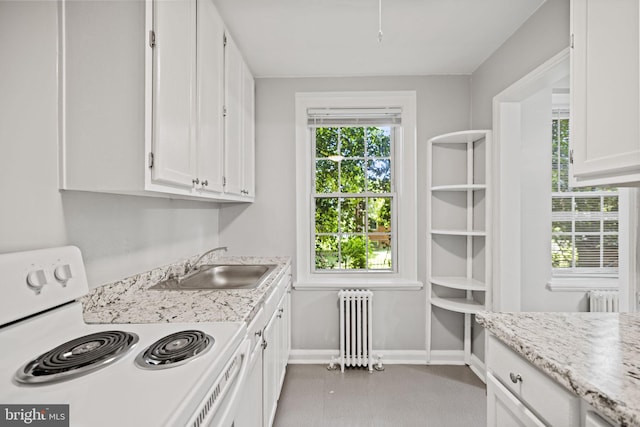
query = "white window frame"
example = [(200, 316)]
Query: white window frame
[(405, 274), (564, 281)]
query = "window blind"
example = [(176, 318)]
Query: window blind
[(328, 117)]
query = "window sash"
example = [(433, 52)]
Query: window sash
[(574, 217)]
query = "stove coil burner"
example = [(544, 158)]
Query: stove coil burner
[(175, 349), (77, 357)]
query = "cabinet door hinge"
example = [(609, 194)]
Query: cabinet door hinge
[(224, 40), (571, 43), (224, 181), (224, 111), (152, 38), (150, 160), (571, 156)]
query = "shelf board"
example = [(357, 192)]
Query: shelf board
[(462, 137), (457, 282), (460, 305), (459, 187), (460, 232)]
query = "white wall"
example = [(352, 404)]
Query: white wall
[(267, 227), (119, 235), (543, 35)]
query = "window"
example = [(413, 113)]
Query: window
[(353, 198), (585, 221), (356, 186)]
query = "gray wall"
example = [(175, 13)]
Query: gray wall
[(267, 227), (118, 235), (544, 34)]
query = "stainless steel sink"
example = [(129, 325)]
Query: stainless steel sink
[(219, 276)]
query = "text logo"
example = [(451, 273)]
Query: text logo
[(34, 415)]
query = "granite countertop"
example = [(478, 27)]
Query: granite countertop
[(130, 300), (594, 355)]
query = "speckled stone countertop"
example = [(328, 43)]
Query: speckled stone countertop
[(594, 355), (130, 300)]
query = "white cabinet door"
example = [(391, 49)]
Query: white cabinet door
[(174, 74), (210, 96), (270, 371), (233, 70), (605, 129), (505, 410), (248, 127), (239, 123)]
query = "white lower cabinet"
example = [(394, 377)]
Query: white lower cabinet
[(519, 394), (270, 330), (504, 408), (275, 357)]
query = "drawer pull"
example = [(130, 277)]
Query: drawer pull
[(515, 378)]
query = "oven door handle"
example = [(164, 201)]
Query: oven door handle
[(227, 411)]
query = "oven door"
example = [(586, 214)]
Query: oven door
[(218, 408)]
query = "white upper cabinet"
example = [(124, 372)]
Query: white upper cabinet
[(210, 93), (143, 96), (174, 92), (240, 123), (605, 95)]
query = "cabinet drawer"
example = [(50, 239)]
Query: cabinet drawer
[(554, 404)]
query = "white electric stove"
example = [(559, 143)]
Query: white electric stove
[(169, 374)]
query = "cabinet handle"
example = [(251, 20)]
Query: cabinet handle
[(258, 334), (205, 182), (515, 378), (265, 344), (195, 181)]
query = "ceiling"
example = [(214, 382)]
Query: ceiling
[(302, 38)]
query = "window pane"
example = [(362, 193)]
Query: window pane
[(561, 252), (561, 227), (326, 176), (380, 214), (352, 176), (588, 204), (354, 252), (379, 142), (610, 252), (326, 142), (327, 215), (352, 142), (610, 204), (352, 215), (611, 225), (326, 252), (588, 251), (380, 252), (587, 226), (561, 204), (379, 176)]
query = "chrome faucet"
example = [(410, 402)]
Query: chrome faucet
[(189, 267)]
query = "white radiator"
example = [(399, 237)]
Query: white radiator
[(603, 301), (355, 328)]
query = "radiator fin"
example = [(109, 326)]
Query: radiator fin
[(355, 328), (603, 301)]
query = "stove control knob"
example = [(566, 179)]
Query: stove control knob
[(36, 279), (62, 274)]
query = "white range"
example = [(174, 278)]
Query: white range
[(169, 374)]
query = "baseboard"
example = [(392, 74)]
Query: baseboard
[(389, 357), (312, 357), (478, 367), (447, 357)]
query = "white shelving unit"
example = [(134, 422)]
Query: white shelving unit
[(458, 227)]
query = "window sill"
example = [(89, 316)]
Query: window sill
[(345, 283), (582, 284)]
